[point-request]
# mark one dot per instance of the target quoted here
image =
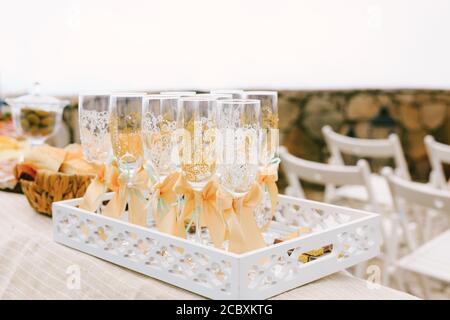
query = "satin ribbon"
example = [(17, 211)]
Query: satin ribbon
[(206, 199), (268, 177), (133, 194), (92, 198), (164, 201), (243, 232)]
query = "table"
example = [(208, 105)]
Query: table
[(32, 266)]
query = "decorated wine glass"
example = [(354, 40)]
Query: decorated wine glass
[(159, 123), (93, 120), (237, 170), (126, 132), (197, 119), (269, 143), (93, 116), (238, 150)]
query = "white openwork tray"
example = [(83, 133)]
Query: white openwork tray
[(205, 270)]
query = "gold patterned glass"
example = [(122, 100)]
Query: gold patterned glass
[(197, 120), (159, 123), (197, 123), (269, 137), (126, 131), (269, 141), (238, 149)]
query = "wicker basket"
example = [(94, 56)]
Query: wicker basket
[(51, 186)]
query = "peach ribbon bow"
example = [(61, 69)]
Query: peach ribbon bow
[(210, 216), (164, 210), (243, 232), (268, 177), (92, 198), (134, 195)]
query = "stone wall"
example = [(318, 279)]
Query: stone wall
[(303, 113), (416, 112)]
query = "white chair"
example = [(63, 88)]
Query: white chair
[(297, 169), (438, 154), (426, 257), (367, 148)]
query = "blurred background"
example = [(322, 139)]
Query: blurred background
[(76, 45), (334, 62)]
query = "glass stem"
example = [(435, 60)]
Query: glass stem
[(179, 206), (129, 171), (130, 176), (150, 214)]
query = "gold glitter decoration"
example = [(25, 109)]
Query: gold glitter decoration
[(126, 137), (200, 165), (270, 120)]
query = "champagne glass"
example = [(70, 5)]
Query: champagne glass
[(197, 119), (269, 142), (236, 93), (93, 115), (269, 124), (159, 123), (238, 150), (126, 132), (179, 93)]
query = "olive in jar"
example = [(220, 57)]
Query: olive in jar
[(37, 122)]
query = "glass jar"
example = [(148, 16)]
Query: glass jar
[(35, 116)]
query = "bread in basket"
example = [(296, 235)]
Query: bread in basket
[(50, 174)]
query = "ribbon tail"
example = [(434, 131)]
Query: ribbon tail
[(171, 225), (188, 208), (253, 236), (116, 206), (180, 230), (273, 193), (237, 241), (164, 198), (137, 209), (214, 222), (155, 210), (92, 199)]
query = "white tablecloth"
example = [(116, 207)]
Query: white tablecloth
[(32, 266)]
